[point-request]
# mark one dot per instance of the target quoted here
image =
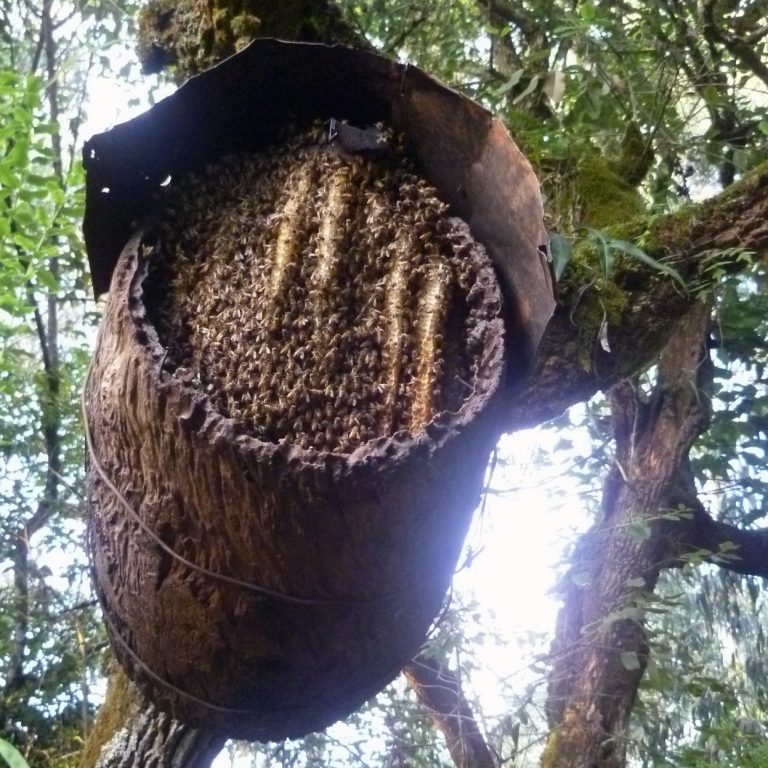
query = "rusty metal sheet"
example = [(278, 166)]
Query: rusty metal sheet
[(244, 103)]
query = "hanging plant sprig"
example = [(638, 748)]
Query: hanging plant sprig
[(561, 251)]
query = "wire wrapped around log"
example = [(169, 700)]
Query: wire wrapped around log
[(366, 543)]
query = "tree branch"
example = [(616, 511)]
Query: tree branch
[(572, 366), (601, 649), (702, 534), (14, 674), (750, 558), (439, 691), (740, 48)]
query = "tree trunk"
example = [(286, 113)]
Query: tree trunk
[(154, 738), (131, 733), (601, 649)]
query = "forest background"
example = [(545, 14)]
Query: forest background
[(631, 113)]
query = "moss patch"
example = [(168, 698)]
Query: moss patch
[(604, 196), (120, 704)]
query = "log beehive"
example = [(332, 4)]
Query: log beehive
[(291, 407), (300, 374)]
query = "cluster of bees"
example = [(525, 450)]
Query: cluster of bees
[(316, 296)]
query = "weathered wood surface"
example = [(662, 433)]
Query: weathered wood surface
[(368, 541)]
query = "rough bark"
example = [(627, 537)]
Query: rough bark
[(192, 37), (601, 648), (143, 735), (288, 586), (153, 738), (439, 691)]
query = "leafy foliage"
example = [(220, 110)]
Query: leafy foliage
[(51, 637), (12, 756)]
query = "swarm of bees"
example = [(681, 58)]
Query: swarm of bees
[(316, 296)]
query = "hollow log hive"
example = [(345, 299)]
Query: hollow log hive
[(317, 297), (294, 394)]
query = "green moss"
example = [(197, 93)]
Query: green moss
[(604, 302), (672, 232), (526, 129), (604, 196), (596, 196), (567, 739), (245, 27), (550, 758), (119, 705), (591, 194), (672, 229), (636, 156), (592, 300)]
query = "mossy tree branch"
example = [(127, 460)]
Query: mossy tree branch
[(640, 306)]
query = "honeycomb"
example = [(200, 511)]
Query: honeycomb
[(316, 296)]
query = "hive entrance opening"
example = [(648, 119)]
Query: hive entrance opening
[(316, 296)]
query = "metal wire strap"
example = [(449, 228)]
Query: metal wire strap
[(159, 679)]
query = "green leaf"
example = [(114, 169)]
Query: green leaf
[(29, 245), (712, 95), (12, 756), (37, 180), (603, 244), (561, 249), (529, 89), (588, 11), (8, 178), (629, 660), (763, 126), (594, 98), (640, 255), (46, 279), (639, 530), (511, 83), (741, 160)]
